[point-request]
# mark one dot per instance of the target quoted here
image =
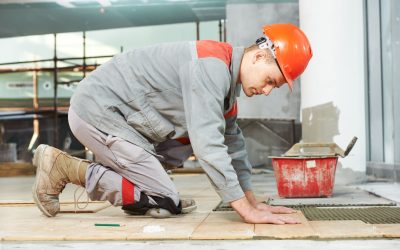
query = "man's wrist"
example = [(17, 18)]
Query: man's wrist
[(251, 198), (243, 207)]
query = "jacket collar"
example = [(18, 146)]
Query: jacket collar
[(237, 55)]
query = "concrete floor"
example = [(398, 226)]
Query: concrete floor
[(19, 188), (215, 245), (388, 190)]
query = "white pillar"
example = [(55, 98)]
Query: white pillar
[(332, 87)]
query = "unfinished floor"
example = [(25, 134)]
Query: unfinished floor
[(22, 221)]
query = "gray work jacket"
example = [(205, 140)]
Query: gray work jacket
[(158, 93)]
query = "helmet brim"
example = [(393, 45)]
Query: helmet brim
[(289, 83)]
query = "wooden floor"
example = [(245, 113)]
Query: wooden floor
[(21, 220)]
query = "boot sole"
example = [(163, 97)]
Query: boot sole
[(158, 213), (161, 213), (37, 160)]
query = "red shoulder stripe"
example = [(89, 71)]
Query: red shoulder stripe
[(208, 48)]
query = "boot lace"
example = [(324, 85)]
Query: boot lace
[(76, 199), (83, 190)]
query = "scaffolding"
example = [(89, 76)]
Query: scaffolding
[(37, 112)]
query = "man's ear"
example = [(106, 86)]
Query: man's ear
[(259, 55)]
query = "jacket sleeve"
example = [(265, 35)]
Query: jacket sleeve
[(205, 83), (237, 150)]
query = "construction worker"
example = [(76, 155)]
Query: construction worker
[(161, 103)]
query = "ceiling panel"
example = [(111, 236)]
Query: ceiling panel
[(35, 17)]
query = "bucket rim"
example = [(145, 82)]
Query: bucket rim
[(302, 157)]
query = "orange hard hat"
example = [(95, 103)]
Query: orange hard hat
[(291, 49)]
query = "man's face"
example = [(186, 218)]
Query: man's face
[(260, 77)]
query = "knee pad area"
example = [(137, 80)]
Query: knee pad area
[(143, 205)]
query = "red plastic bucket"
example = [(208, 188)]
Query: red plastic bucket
[(304, 176)]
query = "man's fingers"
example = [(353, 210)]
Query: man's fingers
[(282, 210), (274, 220), (289, 220), (263, 214), (280, 220), (276, 209)]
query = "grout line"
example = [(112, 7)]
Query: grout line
[(195, 229)]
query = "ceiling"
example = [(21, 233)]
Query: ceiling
[(35, 17)]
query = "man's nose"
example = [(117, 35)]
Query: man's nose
[(267, 89)]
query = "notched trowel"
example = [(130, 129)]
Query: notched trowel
[(319, 149)]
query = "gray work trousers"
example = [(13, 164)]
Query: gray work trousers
[(117, 159)]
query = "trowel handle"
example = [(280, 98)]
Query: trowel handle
[(350, 146)]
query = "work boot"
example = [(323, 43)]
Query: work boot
[(188, 206), (55, 169)]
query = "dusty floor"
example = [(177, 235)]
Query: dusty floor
[(23, 226), (210, 244)]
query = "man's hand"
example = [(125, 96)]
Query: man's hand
[(274, 209), (251, 214), (262, 206)]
